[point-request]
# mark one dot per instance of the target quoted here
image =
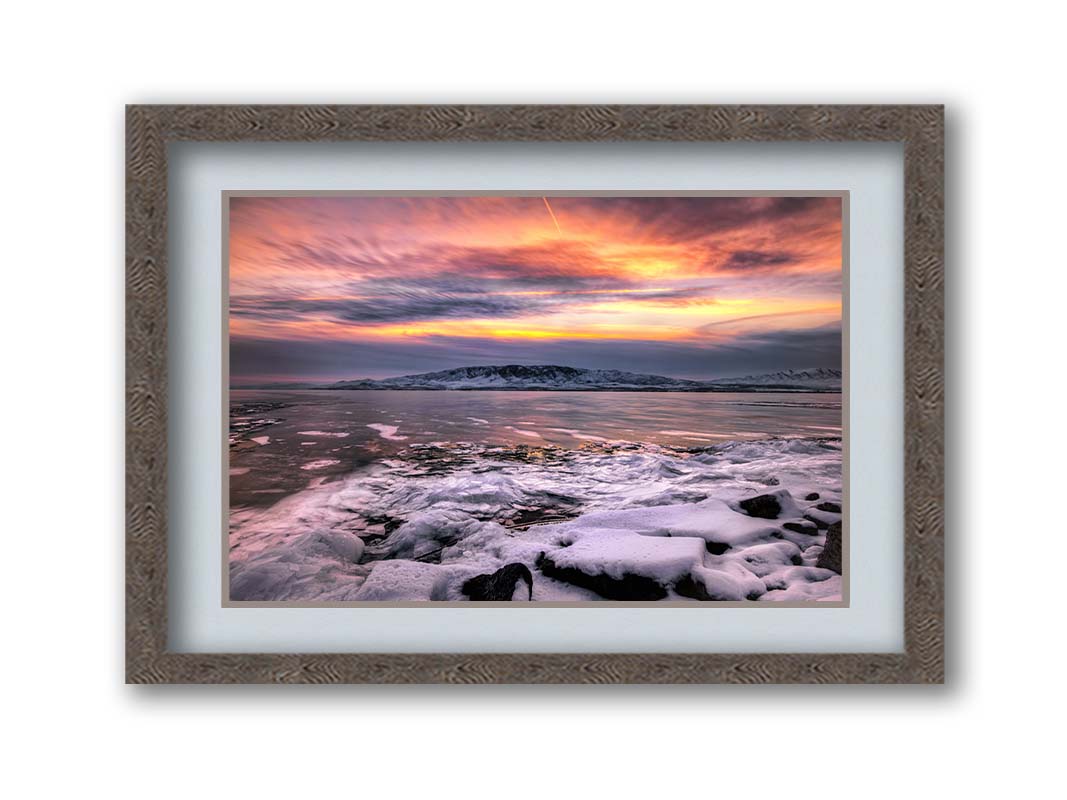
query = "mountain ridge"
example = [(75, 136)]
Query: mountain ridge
[(554, 377), (524, 377), (815, 376)]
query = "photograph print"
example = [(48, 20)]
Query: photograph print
[(553, 398)]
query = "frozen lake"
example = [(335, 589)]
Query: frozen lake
[(326, 433), (324, 485)]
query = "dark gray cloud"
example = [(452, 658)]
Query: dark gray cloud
[(453, 296), (681, 219), (370, 258), (749, 260), (397, 306), (255, 359)]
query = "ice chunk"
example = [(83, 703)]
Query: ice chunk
[(727, 582), (386, 431), (404, 580), (711, 520), (322, 463), (615, 552), (521, 432), (431, 531), (346, 545)]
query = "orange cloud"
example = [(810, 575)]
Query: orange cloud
[(638, 268)]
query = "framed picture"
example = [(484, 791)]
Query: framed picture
[(535, 394)]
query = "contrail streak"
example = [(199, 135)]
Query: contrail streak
[(552, 214)]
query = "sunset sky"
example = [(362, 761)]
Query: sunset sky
[(330, 288)]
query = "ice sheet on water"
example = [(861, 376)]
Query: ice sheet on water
[(523, 432), (386, 431), (585, 437), (322, 463)]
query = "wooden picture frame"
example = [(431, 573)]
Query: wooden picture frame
[(149, 129)]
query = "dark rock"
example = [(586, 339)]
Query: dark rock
[(526, 517), (764, 506), (830, 558), (629, 587), (833, 508), (716, 548), (812, 496), (500, 585), (390, 523), (372, 537), (690, 587), (801, 527), (820, 523)]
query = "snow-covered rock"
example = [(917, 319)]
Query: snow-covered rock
[(640, 522)]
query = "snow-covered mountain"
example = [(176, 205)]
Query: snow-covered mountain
[(520, 377), (812, 380), (561, 379)]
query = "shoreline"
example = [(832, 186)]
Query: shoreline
[(638, 521)]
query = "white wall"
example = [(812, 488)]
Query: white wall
[(67, 72)]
